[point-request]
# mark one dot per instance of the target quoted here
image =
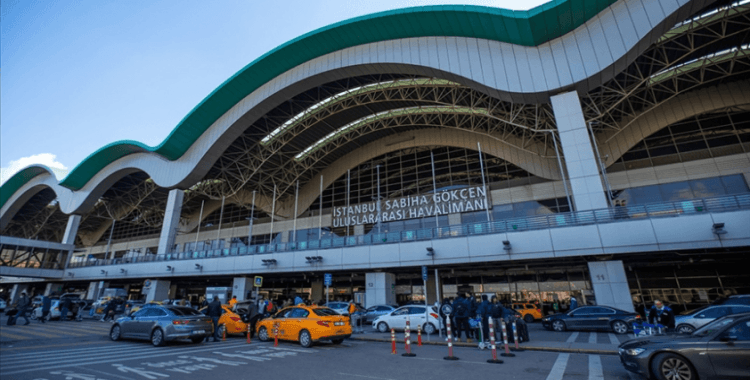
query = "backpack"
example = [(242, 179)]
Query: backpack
[(461, 310)]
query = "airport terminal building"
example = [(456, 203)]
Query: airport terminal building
[(597, 149)]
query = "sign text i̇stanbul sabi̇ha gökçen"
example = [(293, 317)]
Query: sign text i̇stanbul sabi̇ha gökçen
[(418, 206)]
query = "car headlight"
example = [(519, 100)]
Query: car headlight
[(633, 351)]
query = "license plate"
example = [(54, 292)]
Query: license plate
[(338, 323), (199, 331)]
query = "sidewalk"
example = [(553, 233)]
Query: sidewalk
[(532, 345)]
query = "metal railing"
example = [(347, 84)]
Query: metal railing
[(537, 222)]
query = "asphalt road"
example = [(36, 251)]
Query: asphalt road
[(82, 350)]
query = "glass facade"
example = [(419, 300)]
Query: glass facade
[(677, 191)]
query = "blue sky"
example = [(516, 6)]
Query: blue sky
[(77, 75)]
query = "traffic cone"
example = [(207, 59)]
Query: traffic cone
[(419, 335), (507, 353), (407, 340), (275, 336), (450, 341), (248, 334), (224, 333), (393, 341), (494, 359)]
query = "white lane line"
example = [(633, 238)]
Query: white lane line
[(558, 369), (459, 362), (572, 338), (595, 368), (64, 354), (104, 373), (592, 337), (366, 377), (613, 339), (121, 358)]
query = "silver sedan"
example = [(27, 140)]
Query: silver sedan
[(161, 324)]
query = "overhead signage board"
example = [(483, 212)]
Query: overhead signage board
[(419, 206)]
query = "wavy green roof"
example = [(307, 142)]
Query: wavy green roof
[(528, 28)]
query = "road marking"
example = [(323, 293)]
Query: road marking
[(103, 373), (123, 358), (5, 334), (572, 338), (592, 337), (366, 377), (595, 368), (40, 334), (38, 347), (558, 369), (613, 339), (24, 358)]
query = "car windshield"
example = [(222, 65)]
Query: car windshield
[(184, 311), (325, 312), (688, 312), (713, 327)]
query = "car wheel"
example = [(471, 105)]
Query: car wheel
[(672, 367), (558, 325), (429, 329), (114, 333), (337, 341), (197, 339), (157, 338), (383, 327), (685, 329), (528, 318), (305, 340), (620, 327), (263, 334)]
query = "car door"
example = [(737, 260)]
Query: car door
[(146, 323), (709, 315), (280, 320), (129, 327), (602, 317), (416, 317), (294, 322), (397, 319), (579, 318), (730, 351)]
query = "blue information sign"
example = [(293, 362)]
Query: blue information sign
[(328, 279), (424, 272)]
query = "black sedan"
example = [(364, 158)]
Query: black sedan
[(591, 318), (720, 349)]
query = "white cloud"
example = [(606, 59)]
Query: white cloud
[(47, 159)]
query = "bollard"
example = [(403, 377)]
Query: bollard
[(248, 333), (515, 339), (407, 340), (450, 341), (507, 353), (393, 341), (224, 333), (494, 359), (276, 336), (419, 335)]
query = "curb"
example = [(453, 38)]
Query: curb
[(529, 348)]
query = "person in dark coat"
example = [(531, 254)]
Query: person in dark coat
[(472, 302), (214, 311), (65, 305), (484, 310), (462, 311), (573, 303), (23, 306), (661, 314), (46, 305)]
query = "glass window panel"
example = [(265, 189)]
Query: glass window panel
[(662, 151), (735, 184), (646, 194), (676, 191), (709, 187), (721, 141)]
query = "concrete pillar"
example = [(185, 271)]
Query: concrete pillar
[(96, 288), (155, 290), (580, 159), (380, 289), (172, 291), (610, 284), (432, 297), (241, 286), (16, 292), (71, 230), (317, 291), (171, 221), (53, 287)]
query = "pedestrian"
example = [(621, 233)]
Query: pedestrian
[(556, 306), (573, 303), (352, 309), (461, 307), (233, 302), (252, 316), (65, 306), (46, 305), (661, 314), (214, 311), (23, 305), (298, 300), (471, 301), (484, 310), (497, 311)]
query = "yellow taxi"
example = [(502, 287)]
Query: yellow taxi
[(306, 325), (529, 312), (229, 321)]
